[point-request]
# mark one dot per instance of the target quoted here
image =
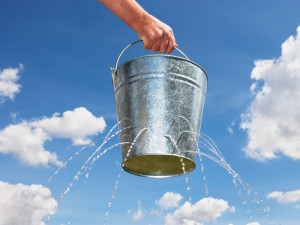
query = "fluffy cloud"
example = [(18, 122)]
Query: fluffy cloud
[(26, 140), (76, 125), (273, 118), (287, 197), (207, 209), (169, 200), (139, 214), (26, 144), (21, 204), (253, 223), (8, 83)]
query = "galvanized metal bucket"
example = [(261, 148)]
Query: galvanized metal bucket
[(159, 102)]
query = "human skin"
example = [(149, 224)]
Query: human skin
[(156, 35)]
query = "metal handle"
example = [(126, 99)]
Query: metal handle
[(114, 69)]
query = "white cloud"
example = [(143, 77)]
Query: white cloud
[(273, 118), (77, 125), (26, 140), (230, 130), (253, 223), (139, 214), (8, 83), (169, 200), (287, 197), (155, 212), (14, 116), (21, 204), (207, 209), (26, 144)]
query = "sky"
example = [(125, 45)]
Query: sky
[(57, 105)]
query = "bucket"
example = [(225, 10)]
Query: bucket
[(159, 103)]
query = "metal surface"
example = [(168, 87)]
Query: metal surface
[(159, 101)]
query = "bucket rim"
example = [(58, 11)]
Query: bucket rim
[(158, 176), (162, 55)]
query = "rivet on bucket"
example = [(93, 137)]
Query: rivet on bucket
[(159, 101)]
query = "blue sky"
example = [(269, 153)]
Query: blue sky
[(56, 95)]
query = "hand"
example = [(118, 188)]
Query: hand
[(156, 35)]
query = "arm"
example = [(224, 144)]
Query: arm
[(156, 35)]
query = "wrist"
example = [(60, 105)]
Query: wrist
[(141, 21)]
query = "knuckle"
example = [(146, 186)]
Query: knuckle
[(147, 46)]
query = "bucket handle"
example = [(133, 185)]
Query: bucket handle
[(133, 43)]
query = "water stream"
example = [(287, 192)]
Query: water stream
[(205, 147)]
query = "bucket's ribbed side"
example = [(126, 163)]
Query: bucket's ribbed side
[(163, 96)]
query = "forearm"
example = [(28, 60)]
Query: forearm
[(155, 34), (127, 10)]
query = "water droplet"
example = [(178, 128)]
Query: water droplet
[(251, 218)]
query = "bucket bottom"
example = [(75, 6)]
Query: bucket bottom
[(159, 166)]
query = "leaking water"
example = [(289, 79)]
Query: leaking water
[(205, 147), (112, 197)]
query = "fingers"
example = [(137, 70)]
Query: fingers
[(148, 45), (172, 44), (164, 45), (157, 36), (160, 46)]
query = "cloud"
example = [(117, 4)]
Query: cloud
[(8, 83), (253, 223), (207, 209), (139, 214), (26, 144), (230, 130), (272, 121), (76, 125), (169, 200), (21, 204), (287, 197), (26, 140)]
